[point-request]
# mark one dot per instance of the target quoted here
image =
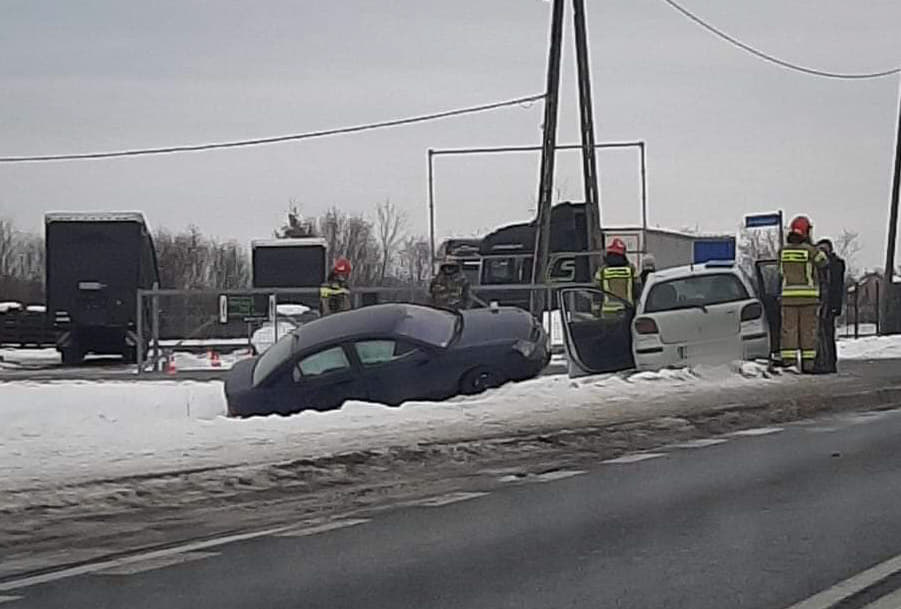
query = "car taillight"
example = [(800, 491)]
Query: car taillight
[(751, 312), (646, 325)]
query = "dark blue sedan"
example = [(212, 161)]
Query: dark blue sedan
[(388, 353)]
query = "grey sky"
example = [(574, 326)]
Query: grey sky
[(726, 133)]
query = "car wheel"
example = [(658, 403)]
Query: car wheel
[(71, 356), (478, 380)]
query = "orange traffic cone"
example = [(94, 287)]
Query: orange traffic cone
[(215, 362), (170, 365)]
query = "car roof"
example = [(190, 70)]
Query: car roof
[(374, 320), (690, 270)]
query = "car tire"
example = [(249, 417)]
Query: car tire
[(478, 380), (71, 356)]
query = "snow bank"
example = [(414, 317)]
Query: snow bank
[(66, 432), (871, 347)]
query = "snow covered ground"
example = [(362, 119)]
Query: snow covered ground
[(66, 432), (870, 347)]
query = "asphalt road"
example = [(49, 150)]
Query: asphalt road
[(760, 520)]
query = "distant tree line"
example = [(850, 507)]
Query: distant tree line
[(380, 249)]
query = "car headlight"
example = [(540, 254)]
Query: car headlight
[(525, 347)]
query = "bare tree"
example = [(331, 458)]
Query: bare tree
[(7, 247), (415, 260), (352, 237), (297, 226), (847, 246), (188, 260), (756, 244), (389, 224)]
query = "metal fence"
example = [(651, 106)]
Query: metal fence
[(172, 320)]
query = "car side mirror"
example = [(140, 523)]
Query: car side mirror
[(494, 306)]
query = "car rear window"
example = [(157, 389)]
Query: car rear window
[(695, 291), (431, 326)]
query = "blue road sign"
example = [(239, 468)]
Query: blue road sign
[(761, 220)]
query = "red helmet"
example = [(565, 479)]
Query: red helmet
[(801, 226), (617, 247), (342, 267)]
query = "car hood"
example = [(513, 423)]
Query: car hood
[(484, 325), (240, 377)]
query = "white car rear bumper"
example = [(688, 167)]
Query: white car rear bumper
[(654, 355)]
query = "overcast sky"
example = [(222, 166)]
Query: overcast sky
[(726, 133)]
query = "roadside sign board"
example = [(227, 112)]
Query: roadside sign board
[(763, 220), (246, 307)]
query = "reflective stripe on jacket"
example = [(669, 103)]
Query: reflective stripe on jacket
[(619, 281), (334, 298), (800, 281)]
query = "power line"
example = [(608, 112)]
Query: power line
[(773, 59), (276, 139)]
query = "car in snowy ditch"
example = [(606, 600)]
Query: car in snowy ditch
[(702, 313), (390, 354)]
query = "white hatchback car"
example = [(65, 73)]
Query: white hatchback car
[(706, 313)]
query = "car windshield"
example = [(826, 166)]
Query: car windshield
[(695, 291), (273, 357), (432, 326)]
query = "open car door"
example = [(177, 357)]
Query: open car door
[(595, 342), (769, 287)]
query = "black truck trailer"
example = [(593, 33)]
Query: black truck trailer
[(290, 263), (95, 264)]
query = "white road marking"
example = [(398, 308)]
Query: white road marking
[(700, 443), (889, 601), (8, 599), (633, 458), (152, 564), (447, 499), (842, 590), (44, 578), (760, 431), (559, 474), (322, 528)]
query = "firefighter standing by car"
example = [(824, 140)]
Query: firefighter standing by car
[(800, 262), (832, 278), (450, 287), (334, 295), (616, 277)]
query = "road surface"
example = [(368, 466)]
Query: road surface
[(759, 519)]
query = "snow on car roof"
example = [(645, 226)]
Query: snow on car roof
[(706, 268), (376, 320)]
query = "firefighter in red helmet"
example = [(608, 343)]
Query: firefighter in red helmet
[(618, 279), (334, 295), (799, 265)]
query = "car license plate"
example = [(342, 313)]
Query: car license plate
[(716, 350)]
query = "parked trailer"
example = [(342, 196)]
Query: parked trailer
[(290, 263), (95, 264)]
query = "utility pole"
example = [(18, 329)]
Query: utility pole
[(548, 154), (589, 165), (889, 314)]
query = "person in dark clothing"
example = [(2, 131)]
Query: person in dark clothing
[(450, 288), (832, 278)]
